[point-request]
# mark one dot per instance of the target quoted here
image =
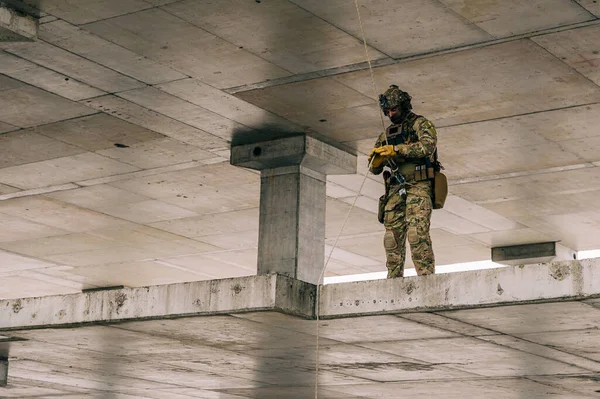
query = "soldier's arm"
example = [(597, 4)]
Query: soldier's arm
[(379, 169), (426, 144)]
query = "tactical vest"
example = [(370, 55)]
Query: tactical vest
[(405, 133)]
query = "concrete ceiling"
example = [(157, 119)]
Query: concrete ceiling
[(115, 128), (531, 351)]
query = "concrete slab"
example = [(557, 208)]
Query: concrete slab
[(157, 153), (184, 111), (493, 70), (88, 10), (390, 28), (74, 66), (270, 355), (43, 107), (56, 83), (291, 48), (71, 38), (505, 18), (39, 148), (591, 5), (577, 48), (156, 122), (63, 170), (202, 54)]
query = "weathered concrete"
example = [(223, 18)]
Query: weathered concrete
[(298, 150), (510, 285), (269, 292), (3, 371), (15, 26), (291, 237), (515, 284)]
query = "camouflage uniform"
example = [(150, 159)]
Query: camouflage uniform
[(408, 215)]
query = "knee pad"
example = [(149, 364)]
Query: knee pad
[(413, 235), (389, 240)]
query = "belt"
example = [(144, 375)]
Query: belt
[(418, 174)]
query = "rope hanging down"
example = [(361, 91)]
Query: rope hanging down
[(317, 305)]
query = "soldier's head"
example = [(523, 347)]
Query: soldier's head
[(395, 104)]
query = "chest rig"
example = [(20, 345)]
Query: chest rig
[(403, 133)]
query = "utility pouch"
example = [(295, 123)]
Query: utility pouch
[(381, 209), (384, 198), (440, 190)]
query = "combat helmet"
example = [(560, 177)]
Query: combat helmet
[(394, 98)]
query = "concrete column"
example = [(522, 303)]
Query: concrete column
[(292, 201), (16, 26), (3, 371)]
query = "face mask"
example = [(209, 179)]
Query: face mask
[(398, 117)]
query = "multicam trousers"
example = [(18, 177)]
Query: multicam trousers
[(409, 216)]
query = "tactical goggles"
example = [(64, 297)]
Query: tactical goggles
[(384, 104)]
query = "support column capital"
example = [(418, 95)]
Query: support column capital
[(305, 151), (15, 26)]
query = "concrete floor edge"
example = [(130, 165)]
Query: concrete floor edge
[(568, 280)]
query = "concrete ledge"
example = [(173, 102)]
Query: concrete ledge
[(490, 287), (513, 284), (236, 295), (15, 27)]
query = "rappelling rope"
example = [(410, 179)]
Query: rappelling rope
[(317, 304)]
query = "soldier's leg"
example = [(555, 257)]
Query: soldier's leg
[(394, 240), (418, 220)]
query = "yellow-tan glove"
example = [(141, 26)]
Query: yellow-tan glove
[(377, 161), (385, 150)]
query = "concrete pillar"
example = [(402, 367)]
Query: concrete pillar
[(3, 371), (16, 26), (292, 201)]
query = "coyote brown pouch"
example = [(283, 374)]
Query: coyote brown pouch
[(381, 209), (440, 190)]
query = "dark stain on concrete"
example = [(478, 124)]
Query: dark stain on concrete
[(357, 302), (237, 288), (500, 290), (120, 299), (17, 306), (559, 272), (410, 287)]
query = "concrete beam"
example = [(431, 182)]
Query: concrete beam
[(16, 27), (512, 284), (543, 252), (235, 295), (489, 287)]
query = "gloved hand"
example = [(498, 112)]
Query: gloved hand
[(377, 160), (385, 150)]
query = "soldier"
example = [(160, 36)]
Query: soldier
[(407, 148)]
